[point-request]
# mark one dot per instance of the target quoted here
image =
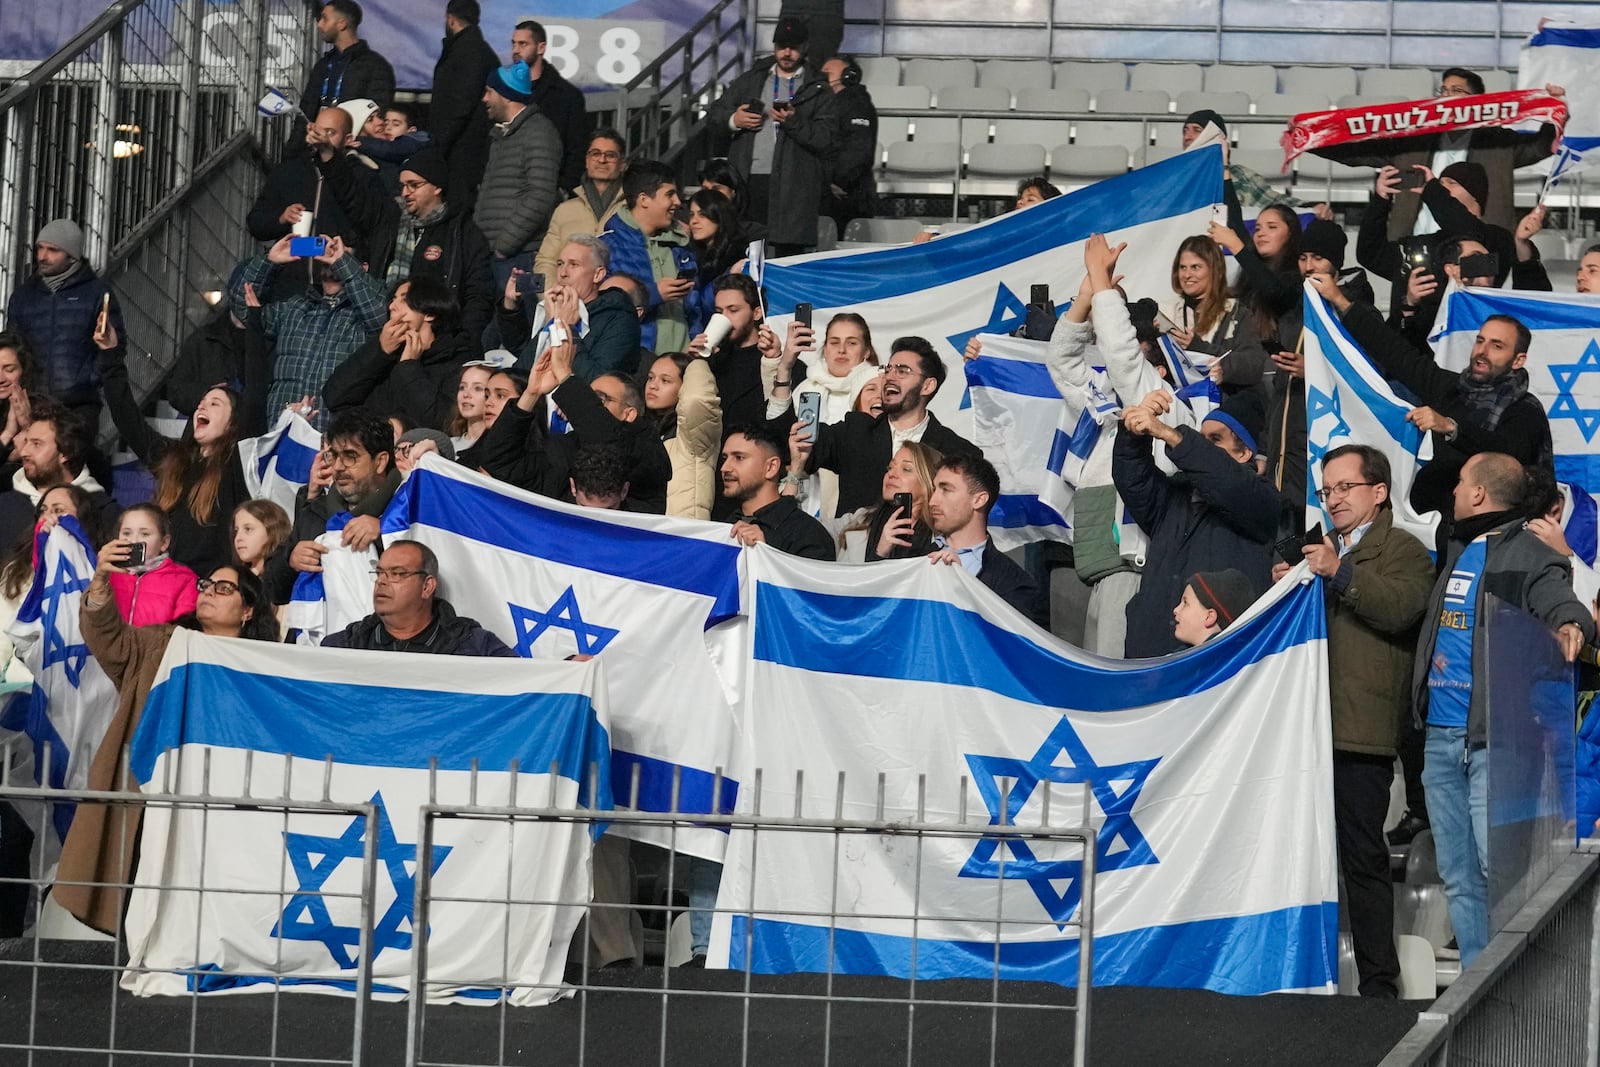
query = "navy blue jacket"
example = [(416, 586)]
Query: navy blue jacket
[(448, 635), (59, 326)]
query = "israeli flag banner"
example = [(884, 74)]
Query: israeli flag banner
[(311, 611), (1349, 402), (1036, 440), (57, 725), (1565, 54), (1563, 372), (278, 463), (1207, 777), (977, 280), (254, 721), (657, 597)]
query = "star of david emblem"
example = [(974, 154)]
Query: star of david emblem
[(1007, 314), (562, 615), (1566, 376), (1319, 406), (314, 858), (63, 583), (1079, 768)]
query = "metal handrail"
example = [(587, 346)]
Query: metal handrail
[(688, 53), (81, 42)]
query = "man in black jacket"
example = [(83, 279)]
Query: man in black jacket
[(859, 448), (736, 363), (1485, 408), (1214, 514), (519, 448), (851, 192), (408, 615), (350, 70), (782, 119), (456, 118), (964, 489), (560, 100), (750, 467), (300, 184)]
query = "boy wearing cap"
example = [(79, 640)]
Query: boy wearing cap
[(1214, 513), (1211, 601)]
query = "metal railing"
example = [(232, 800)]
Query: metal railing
[(684, 79), (125, 122)]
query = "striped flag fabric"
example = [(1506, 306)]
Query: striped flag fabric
[(278, 463)]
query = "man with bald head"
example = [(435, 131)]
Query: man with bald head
[(296, 186), (1490, 551)]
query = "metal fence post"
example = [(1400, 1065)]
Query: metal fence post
[(97, 213)]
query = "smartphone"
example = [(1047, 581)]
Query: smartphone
[(903, 502), (1480, 265), (688, 274), (530, 284), (135, 555), (758, 105), (1313, 536), (1164, 324), (1219, 214), (307, 247), (1421, 180), (808, 406), (1417, 252), (802, 314), (1039, 295)]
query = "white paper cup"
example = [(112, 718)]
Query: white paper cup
[(717, 329), (302, 225)]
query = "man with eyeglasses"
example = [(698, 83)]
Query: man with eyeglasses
[(351, 483), (601, 322), (594, 200), (408, 615), (1376, 581), (859, 447), (1499, 150)]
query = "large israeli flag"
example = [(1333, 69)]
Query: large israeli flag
[(1565, 54), (1349, 402), (278, 463), (977, 280), (1207, 778), (59, 722), (656, 597), (1563, 372), (254, 721)]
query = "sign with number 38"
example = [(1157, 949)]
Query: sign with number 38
[(595, 52)]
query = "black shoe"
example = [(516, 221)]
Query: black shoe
[(698, 962), (1409, 827)]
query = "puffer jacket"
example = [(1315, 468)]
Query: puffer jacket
[(519, 190), (159, 595), (668, 324), (693, 449), (571, 219), (424, 389), (59, 326)]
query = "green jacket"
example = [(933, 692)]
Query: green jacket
[(1375, 605)]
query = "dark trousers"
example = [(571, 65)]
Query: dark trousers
[(1360, 803), (1411, 758)]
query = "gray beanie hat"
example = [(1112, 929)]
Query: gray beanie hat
[(65, 235), (447, 448)]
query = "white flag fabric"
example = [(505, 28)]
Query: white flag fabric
[(659, 596), (1563, 372), (977, 280), (1208, 776), (248, 719), (278, 463), (72, 702), (347, 572), (1349, 402), (1567, 55)]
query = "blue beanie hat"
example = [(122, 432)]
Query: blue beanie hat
[(514, 82)]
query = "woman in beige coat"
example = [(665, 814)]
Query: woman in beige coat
[(681, 395)]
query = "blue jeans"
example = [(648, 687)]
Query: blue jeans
[(1456, 779), (704, 876)]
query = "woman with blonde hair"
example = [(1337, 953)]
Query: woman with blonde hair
[(890, 530), (1211, 323)]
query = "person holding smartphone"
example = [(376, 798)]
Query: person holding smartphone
[(149, 585)]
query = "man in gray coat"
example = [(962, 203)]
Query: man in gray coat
[(782, 115), (519, 189)]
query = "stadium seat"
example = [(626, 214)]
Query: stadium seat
[(922, 159), (1130, 135), (1229, 104), (1363, 100), (1420, 905), (1157, 152), (1133, 102), (1266, 162), (934, 127), (901, 96), (1326, 82), (967, 98), (1069, 98), (1014, 74), (1258, 135), (879, 71), (1288, 105), (1091, 76), (1498, 81), (1005, 160), (1249, 78), (1032, 131), (1170, 78), (937, 74), (1088, 161), (1169, 134), (1418, 978), (1552, 244), (1402, 83), (881, 231)]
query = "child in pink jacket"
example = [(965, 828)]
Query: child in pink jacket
[(158, 590)]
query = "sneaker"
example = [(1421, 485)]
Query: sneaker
[(1410, 825), (698, 962)]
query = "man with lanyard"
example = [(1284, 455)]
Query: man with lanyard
[(350, 70)]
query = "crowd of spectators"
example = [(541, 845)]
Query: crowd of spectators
[(502, 285)]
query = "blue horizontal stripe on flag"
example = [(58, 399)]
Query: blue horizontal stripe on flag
[(1012, 376), (655, 785), (1468, 310), (294, 460), (1012, 511), (933, 641), (1583, 527), (1566, 37), (1243, 955), (480, 514), (1184, 183), (374, 725), (1391, 418)]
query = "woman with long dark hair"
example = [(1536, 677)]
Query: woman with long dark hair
[(22, 388), (680, 394), (1269, 273)]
